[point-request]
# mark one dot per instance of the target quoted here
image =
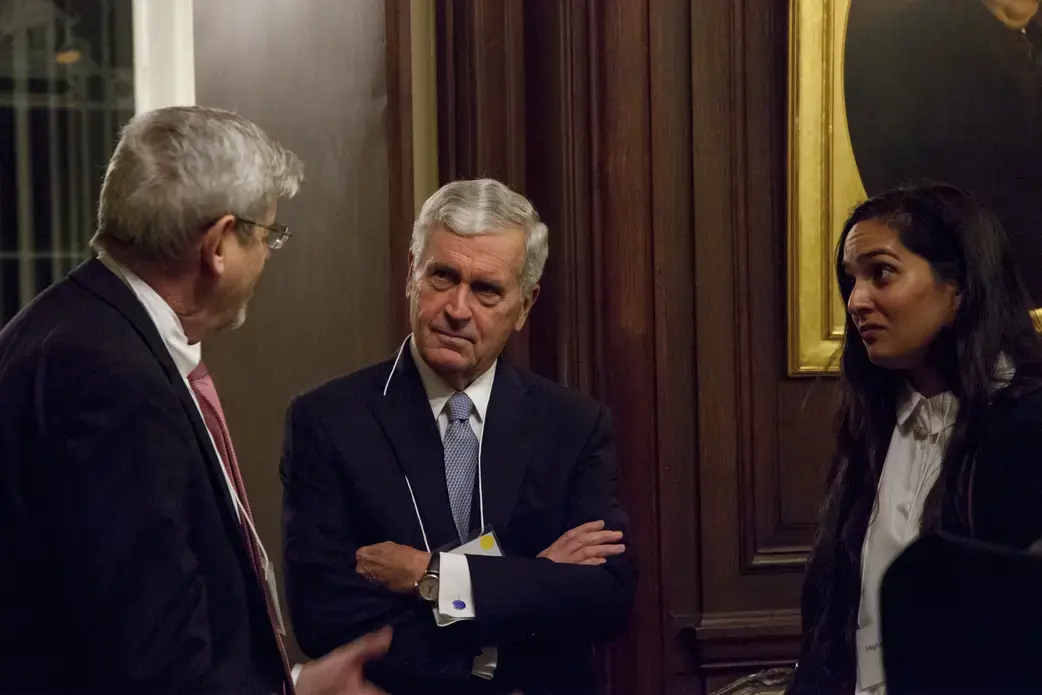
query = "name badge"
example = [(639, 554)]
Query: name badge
[(869, 658), (485, 543), (273, 592)]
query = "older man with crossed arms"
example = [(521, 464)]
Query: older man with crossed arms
[(387, 466)]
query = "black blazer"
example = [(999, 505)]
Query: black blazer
[(123, 567), (548, 465), (961, 617), (1006, 510)]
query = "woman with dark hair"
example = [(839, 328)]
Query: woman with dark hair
[(940, 420)]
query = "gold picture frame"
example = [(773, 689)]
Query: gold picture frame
[(823, 184)]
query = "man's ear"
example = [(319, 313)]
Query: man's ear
[(410, 276), (213, 247), (526, 306)]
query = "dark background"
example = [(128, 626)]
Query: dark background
[(944, 91)]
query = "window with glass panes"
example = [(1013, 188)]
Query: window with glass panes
[(66, 88)]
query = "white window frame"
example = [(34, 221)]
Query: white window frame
[(164, 54)]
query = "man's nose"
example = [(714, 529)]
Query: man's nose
[(458, 306)]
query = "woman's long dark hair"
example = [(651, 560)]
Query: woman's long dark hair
[(964, 244)]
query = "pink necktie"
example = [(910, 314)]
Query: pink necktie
[(213, 415)]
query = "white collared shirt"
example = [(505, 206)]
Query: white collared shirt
[(912, 465), (454, 572), (438, 394), (186, 356)]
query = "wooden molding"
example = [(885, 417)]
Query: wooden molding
[(400, 154), (738, 642), (481, 100), (744, 625)]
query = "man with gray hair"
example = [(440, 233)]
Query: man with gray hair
[(130, 560), (447, 445)]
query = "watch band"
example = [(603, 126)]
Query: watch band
[(434, 566), (427, 587)]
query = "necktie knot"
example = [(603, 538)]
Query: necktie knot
[(200, 372), (459, 406)]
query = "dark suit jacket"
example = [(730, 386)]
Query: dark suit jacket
[(961, 617), (548, 465), (1006, 510), (123, 569)]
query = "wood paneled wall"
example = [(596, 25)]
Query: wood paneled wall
[(651, 135), (315, 76)]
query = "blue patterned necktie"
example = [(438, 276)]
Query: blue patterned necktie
[(461, 459)]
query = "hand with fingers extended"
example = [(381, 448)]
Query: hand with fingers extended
[(588, 544), (342, 671)]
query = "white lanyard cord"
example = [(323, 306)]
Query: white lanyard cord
[(395, 365), (412, 495), (253, 529), (426, 543)]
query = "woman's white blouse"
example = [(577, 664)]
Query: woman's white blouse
[(912, 465)]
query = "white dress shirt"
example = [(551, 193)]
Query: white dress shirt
[(912, 465), (454, 573)]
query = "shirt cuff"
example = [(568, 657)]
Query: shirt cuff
[(485, 663), (295, 673), (455, 594)]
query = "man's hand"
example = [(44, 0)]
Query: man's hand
[(588, 544), (397, 567), (340, 671)]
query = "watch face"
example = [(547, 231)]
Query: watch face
[(429, 587)]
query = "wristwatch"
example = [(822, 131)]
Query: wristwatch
[(428, 584)]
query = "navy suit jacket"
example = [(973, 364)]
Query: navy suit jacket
[(122, 567), (548, 465)]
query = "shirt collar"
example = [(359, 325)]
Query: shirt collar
[(938, 413), (438, 392), (186, 357), (934, 414)]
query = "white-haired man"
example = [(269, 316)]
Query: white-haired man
[(130, 560), (386, 466)]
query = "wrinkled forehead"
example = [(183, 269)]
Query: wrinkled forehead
[(488, 252)]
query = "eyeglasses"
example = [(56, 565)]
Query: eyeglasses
[(278, 233)]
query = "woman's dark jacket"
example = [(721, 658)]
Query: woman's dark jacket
[(1006, 508)]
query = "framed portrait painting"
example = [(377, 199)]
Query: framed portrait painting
[(889, 92)]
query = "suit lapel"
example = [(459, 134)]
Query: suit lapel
[(508, 444), (103, 283), (405, 415)]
